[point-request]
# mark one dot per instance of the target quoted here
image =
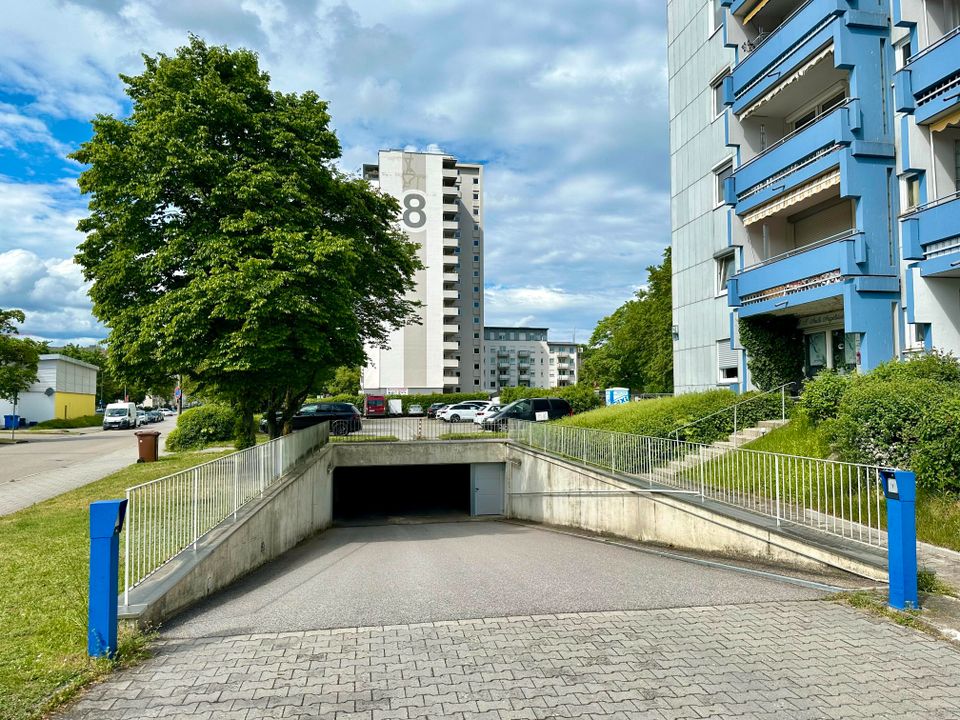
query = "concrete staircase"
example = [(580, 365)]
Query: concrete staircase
[(742, 437)]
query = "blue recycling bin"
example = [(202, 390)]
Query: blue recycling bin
[(11, 422)]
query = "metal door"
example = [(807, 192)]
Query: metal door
[(486, 489)]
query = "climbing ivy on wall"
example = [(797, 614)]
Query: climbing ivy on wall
[(774, 350)]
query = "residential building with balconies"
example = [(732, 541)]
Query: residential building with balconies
[(524, 357), (799, 220), (441, 209)]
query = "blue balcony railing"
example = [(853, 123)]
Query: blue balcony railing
[(795, 159), (929, 84), (803, 275), (931, 233), (808, 29)]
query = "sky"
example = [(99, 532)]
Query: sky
[(563, 101)]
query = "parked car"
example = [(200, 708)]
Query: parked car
[(461, 411), (154, 416), (120, 416), (415, 410), (344, 418), (432, 409), (167, 412), (486, 412), (533, 409), (142, 418)]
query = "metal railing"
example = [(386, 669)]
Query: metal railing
[(853, 232), (735, 409), (404, 429), (169, 515), (842, 499)]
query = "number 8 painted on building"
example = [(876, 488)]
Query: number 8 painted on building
[(413, 205)]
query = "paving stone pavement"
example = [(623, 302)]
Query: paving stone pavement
[(800, 659)]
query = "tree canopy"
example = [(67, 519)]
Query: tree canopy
[(19, 357), (222, 241), (633, 347)]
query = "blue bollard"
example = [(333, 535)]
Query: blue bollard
[(106, 520), (900, 490)]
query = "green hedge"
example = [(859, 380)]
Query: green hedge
[(200, 426), (821, 395), (661, 416), (582, 397), (83, 421)]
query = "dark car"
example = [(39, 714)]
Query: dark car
[(432, 410), (533, 409), (344, 418)]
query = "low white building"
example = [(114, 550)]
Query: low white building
[(65, 388)]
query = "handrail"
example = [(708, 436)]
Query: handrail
[(783, 23), (928, 48), (804, 248), (844, 106), (783, 410)]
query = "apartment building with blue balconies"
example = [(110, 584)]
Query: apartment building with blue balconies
[(820, 107)]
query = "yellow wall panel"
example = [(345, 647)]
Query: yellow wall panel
[(72, 405)]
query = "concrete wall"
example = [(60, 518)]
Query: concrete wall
[(541, 488), (291, 511)]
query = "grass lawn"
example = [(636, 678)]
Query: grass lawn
[(938, 516), (43, 606), (482, 435)]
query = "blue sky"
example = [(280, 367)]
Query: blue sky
[(563, 100)]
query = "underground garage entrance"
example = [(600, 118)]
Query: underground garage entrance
[(384, 493)]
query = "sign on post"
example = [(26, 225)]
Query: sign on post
[(618, 395), (900, 490), (106, 521)]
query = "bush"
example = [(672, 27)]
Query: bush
[(662, 416), (423, 401), (879, 417), (78, 422), (200, 426), (936, 460), (935, 365), (821, 396), (581, 397)]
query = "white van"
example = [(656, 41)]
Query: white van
[(120, 416)]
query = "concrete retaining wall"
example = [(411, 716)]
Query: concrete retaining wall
[(421, 452), (541, 488), (291, 511)]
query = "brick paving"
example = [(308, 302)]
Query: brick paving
[(795, 659)]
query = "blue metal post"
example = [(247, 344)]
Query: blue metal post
[(106, 520), (900, 489)]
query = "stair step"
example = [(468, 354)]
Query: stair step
[(771, 424)]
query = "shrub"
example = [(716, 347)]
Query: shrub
[(879, 417), (83, 421), (821, 396), (581, 397), (935, 365), (200, 426), (936, 460), (424, 400)]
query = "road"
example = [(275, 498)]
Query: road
[(501, 621), (50, 464)]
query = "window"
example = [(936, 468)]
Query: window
[(913, 190), (476, 336), (476, 226), (476, 258), (720, 175), (476, 321), (726, 267), (727, 363), (476, 181), (476, 243), (476, 351), (716, 87), (834, 98), (476, 273), (476, 288), (476, 196), (906, 50), (476, 366), (716, 19), (476, 304)]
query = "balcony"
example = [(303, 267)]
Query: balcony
[(451, 294), (451, 242), (451, 329), (523, 353), (798, 277), (451, 224), (503, 365), (803, 156), (450, 207), (451, 363), (450, 277), (931, 233), (448, 345), (929, 84), (786, 50)]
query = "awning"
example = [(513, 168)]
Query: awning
[(824, 182), (791, 78), (757, 8), (945, 122)]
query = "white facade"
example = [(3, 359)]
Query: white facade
[(523, 357), (441, 203), (701, 318)]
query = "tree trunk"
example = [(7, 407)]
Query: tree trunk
[(245, 434)]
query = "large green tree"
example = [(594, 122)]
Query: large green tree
[(633, 347), (223, 242), (19, 357)]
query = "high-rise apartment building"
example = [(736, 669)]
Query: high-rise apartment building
[(441, 203), (815, 164), (523, 357)]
